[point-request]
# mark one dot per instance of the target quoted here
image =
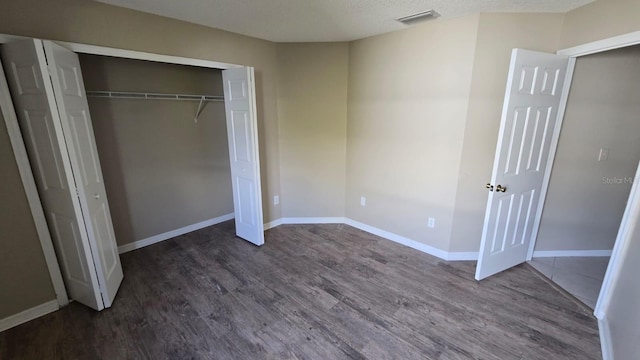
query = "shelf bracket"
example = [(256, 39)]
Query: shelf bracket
[(200, 108)]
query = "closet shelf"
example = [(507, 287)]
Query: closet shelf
[(157, 96), (153, 96)]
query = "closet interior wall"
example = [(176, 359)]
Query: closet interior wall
[(162, 170), (588, 190)]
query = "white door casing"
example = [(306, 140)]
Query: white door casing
[(53, 149), (525, 148), (242, 131), (73, 108)]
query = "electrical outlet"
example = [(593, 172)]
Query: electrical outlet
[(276, 200), (431, 222), (363, 201)]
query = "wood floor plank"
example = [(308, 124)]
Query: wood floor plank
[(325, 291)]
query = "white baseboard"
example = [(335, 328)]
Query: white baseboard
[(273, 224), (463, 256), (171, 234), (445, 255), (28, 315), (399, 239), (570, 253), (304, 220), (605, 339), (314, 220)]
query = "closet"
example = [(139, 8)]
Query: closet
[(146, 150), (163, 148)]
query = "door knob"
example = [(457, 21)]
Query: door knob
[(96, 196), (500, 188), (489, 186)]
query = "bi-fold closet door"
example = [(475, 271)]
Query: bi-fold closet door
[(49, 96)]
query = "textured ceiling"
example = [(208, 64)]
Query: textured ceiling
[(325, 20)]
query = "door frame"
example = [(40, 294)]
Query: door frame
[(615, 264), (612, 43), (20, 153)]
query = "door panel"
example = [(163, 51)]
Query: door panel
[(42, 139), (527, 128), (37, 113), (242, 129), (73, 108), (75, 264)]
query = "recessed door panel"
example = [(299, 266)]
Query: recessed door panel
[(26, 78), (83, 138), (104, 231), (241, 137), (74, 264), (246, 196), (237, 89), (41, 139)]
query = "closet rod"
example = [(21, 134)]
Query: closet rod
[(153, 96), (158, 96)]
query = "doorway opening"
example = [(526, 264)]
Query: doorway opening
[(594, 165)]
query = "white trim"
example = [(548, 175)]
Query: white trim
[(612, 43), (28, 315), (173, 233), (141, 55), (399, 239), (5, 38), (272, 224), (314, 220), (444, 255), (606, 344), (571, 253), (628, 226), (462, 256), (555, 139), (31, 191)]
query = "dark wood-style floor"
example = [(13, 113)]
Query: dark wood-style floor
[(312, 292)]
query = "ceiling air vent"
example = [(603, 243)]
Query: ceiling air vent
[(419, 17)]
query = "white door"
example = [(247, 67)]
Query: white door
[(527, 132), (242, 132), (48, 145), (68, 87)]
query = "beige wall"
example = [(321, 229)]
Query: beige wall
[(582, 212), (600, 20), (498, 34), (90, 22), (163, 171), (24, 278), (312, 114), (408, 96)]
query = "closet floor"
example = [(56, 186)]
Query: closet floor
[(580, 276), (311, 292)]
